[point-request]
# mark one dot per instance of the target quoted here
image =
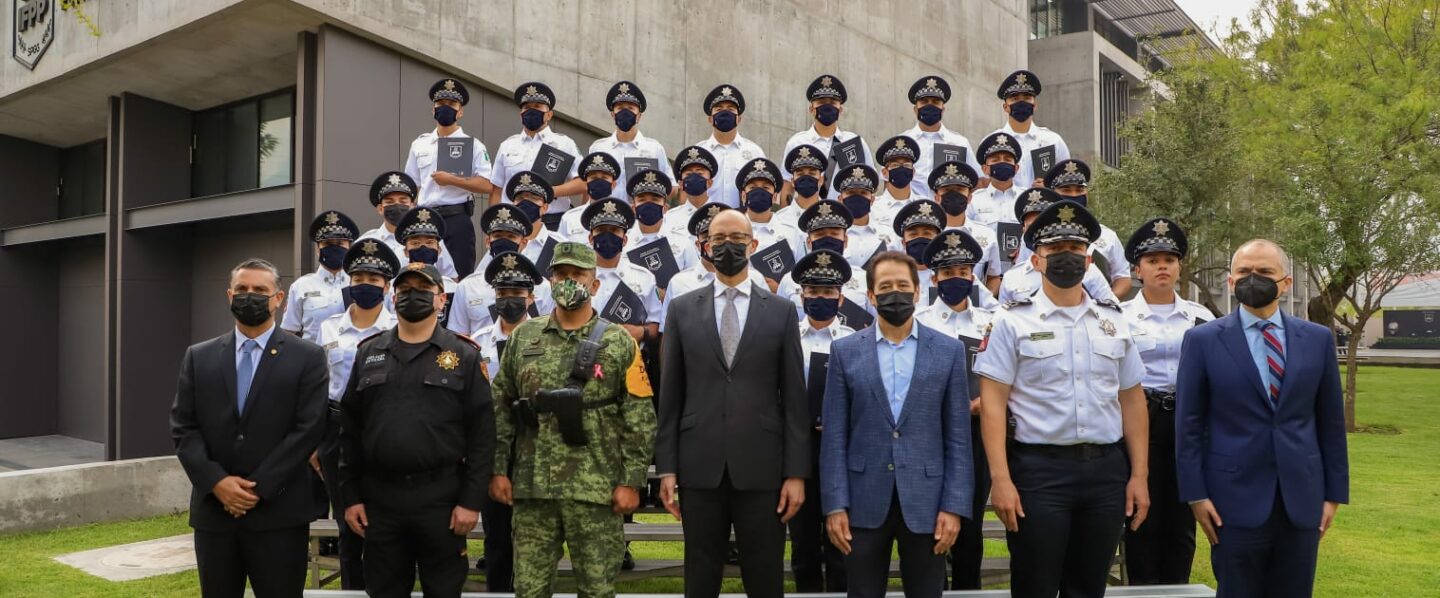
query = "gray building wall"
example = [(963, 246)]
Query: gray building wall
[(80, 323)]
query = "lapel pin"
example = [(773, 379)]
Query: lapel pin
[(274, 351)]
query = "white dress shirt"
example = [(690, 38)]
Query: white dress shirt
[(421, 163), (1036, 138), (991, 206), (518, 153), (742, 304), (969, 322), (692, 279), (886, 207), (863, 240), (1158, 331), (312, 298), (920, 186), (817, 340), (488, 338), (731, 158), (339, 337), (810, 137), (640, 147), (470, 307)]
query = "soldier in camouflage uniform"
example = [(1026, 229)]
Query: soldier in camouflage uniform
[(568, 488)]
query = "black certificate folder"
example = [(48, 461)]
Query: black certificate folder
[(455, 155), (552, 164)]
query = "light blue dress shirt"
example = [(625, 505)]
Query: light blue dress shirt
[(262, 341), (897, 365), (1256, 341)]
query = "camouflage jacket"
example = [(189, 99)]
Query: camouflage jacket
[(539, 356)]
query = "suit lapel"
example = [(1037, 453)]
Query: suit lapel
[(1293, 342), (268, 355), (755, 309), (1234, 339), (918, 374), (226, 363), (705, 306), (870, 369)]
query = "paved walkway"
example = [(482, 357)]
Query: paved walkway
[(136, 561)]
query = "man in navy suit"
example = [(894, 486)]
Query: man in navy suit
[(895, 464), (1260, 433)]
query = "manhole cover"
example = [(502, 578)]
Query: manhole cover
[(172, 554)]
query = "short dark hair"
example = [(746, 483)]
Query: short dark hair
[(890, 256), (256, 263)]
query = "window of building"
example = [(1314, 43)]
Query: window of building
[(81, 188), (245, 145), (1046, 18)]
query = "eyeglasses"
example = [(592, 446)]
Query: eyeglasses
[(732, 237)]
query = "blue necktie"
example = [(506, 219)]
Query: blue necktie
[(1274, 360), (245, 372)]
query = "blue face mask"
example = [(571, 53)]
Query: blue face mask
[(1002, 171), (423, 254), (954, 290), (694, 184), (332, 256), (1083, 200), (822, 309), (900, 176), (806, 185), (649, 213), (930, 114), (915, 248), (827, 114), (625, 120), (532, 119), (831, 243), (725, 121), (367, 296), (499, 246), (608, 245), (759, 200), (1022, 111), (445, 115), (529, 208), (598, 188), (859, 205)]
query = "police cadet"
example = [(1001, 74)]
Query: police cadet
[(370, 265), (1018, 94), (419, 233), (928, 96), (827, 96), (1000, 156), (1023, 279), (446, 192), (724, 106), (952, 258), (1161, 550), (393, 195), (897, 158), (626, 104), (609, 221), (576, 430), (517, 153), (916, 225), (818, 566), (648, 190), (601, 173), (1064, 366), (951, 184), (825, 226), (805, 173), (317, 295), (758, 183), (475, 305), (1071, 180), (857, 186), (417, 444)]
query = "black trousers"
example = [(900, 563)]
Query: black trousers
[(410, 527), (708, 514), (1162, 550), (1074, 502), (922, 572), (273, 561), (499, 547), (817, 564), (460, 241), (968, 553), (352, 546), (1275, 560)]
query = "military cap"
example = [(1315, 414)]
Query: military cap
[(1034, 200), (624, 91), (859, 176), (921, 212), (420, 221), (1161, 235), (423, 270), (954, 247), (821, 268), (1021, 81), (529, 182), (449, 89), (600, 162), (724, 93), (389, 182), (759, 168), (505, 217), (1062, 221), (333, 225), (648, 181), (933, 86), (534, 91), (575, 254), (699, 222), (952, 173), (608, 211), (826, 213), (999, 143), (1067, 173), (373, 256), (512, 270), (899, 146), (805, 155), (826, 86), (695, 156)]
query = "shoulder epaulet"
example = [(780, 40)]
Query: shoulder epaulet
[(1014, 302), (370, 338), (1108, 303), (468, 340)]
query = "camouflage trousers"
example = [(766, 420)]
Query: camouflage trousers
[(593, 532)]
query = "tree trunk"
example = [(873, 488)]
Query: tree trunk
[(1321, 308), (1352, 367), (1206, 297)]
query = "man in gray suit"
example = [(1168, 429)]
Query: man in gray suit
[(734, 422)]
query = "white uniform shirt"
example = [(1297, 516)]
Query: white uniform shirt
[(470, 311), (640, 280), (789, 215), (810, 137), (1158, 335), (693, 279), (885, 208), (571, 228), (970, 322), (518, 153), (863, 240), (731, 159), (814, 340), (1065, 367), (677, 220), (312, 298), (920, 185), (339, 337), (1023, 280), (640, 147), (444, 264), (991, 206), (990, 263), (1036, 138), (770, 233), (421, 163), (487, 338)]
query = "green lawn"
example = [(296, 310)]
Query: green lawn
[(1386, 544)]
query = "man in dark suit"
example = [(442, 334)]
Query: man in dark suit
[(249, 410), (1260, 433), (734, 420), (895, 462)]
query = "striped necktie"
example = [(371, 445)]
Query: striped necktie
[(1274, 360)]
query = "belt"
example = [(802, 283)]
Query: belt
[(1164, 399), (1078, 452), (456, 209)]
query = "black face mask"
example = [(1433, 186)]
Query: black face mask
[(414, 305), (954, 202), (394, 212), (250, 309), (1256, 290), (729, 258), (1065, 270), (511, 309), (895, 307)]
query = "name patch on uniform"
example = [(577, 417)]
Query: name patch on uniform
[(1041, 336), (331, 345), (312, 294), (379, 358), (532, 351)]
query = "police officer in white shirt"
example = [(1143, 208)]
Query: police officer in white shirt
[(369, 266), (758, 183), (724, 106), (601, 173), (1071, 180), (805, 168), (447, 192), (648, 190), (1000, 156), (1162, 549), (1064, 366), (318, 295), (866, 238), (1019, 93), (530, 194), (695, 167), (1023, 279), (517, 153), (626, 104), (928, 96), (827, 97), (916, 225), (897, 158), (393, 195), (419, 233), (609, 221), (703, 273), (950, 184), (475, 303), (825, 226)]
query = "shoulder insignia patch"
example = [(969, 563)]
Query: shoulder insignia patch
[(1108, 303), (637, 380), (1015, 302)]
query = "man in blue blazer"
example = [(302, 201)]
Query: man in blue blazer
[(895, 464), (1260, 433)]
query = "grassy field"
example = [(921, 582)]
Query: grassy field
[(1387, 543)]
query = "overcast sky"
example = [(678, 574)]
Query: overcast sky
[(1214, 16)]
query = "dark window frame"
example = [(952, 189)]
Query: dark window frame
[(199, 186)]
